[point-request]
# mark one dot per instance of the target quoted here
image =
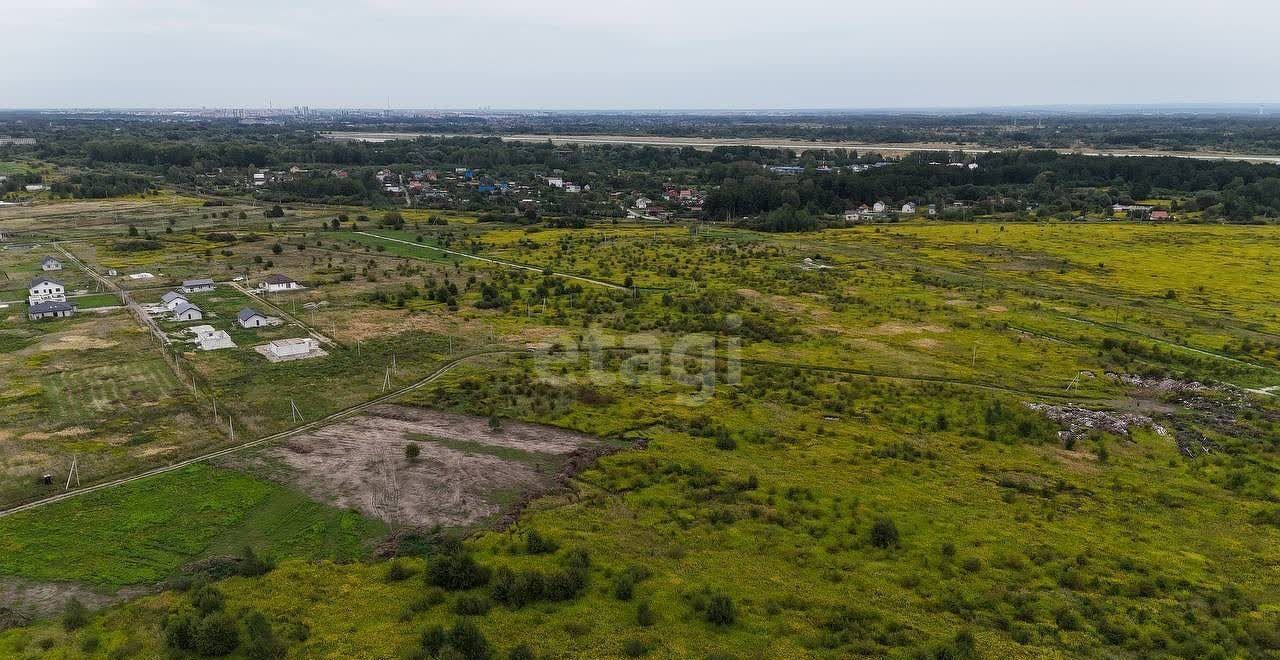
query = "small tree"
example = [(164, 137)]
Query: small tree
[(884, 533), (216, 634), (412, 451), (720, 610), (644, 614), (260, 640)]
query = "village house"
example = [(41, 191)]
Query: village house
[(555, 182), (276, 282), (300, 348), (643, 203), (49, 263), (879, 207), (188, 312), (1125, 208), (210, 339), (1161, 216), (250, 318), (287, 348), (173, 300), (197, 286), (46, 289), (909, 208), (50, 310)]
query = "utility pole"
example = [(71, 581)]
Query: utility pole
[(74, 473)]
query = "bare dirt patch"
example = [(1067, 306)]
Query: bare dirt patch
[(926, 343), (466, 471), (77, 343), (42, 599)]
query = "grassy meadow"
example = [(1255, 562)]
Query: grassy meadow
[(859, 473)]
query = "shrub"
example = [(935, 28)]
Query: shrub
[(566, 583), (884, 533), (644, 614), (536, 544), (206, 599), (457, 571), (260, 640), (518, 589), (521, 652), (720, 610), (412, 451), (464, 640), (74, 615), (251, 565), (471, 605), (216, 634), (90, 643), (179, 630), (634, 648), (397, 572), (624, 584)]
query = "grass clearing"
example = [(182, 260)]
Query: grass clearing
[(144, 532)]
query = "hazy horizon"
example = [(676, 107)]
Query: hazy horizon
[(574, 55)]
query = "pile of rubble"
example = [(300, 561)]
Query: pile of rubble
[(1080, 422), (1161, 384)]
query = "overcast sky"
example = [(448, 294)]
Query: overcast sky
[(569, 54)]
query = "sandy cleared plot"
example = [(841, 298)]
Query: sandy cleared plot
[(41, 599), (467, 472)]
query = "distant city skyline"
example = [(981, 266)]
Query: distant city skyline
[(630, 55)]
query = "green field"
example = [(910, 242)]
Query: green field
[(884, 384), (144, 532)]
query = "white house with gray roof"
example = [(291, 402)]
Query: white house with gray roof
[(172, 300), (188, 312), (197, 286), (250, 318), (49, 263), (46, 289), (51, 310), (276, 282)]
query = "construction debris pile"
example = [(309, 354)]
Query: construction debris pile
[(1080, 422), (1161, 384)]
